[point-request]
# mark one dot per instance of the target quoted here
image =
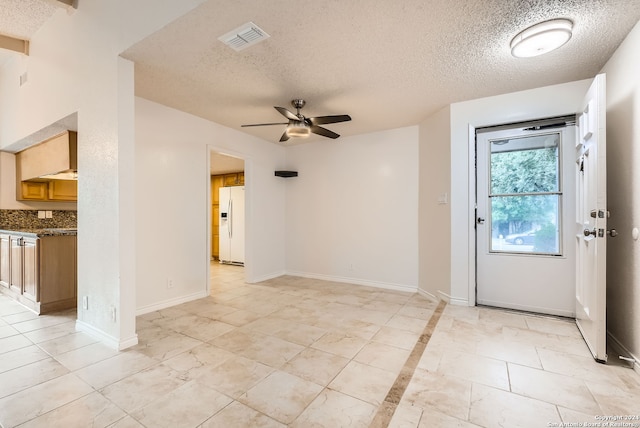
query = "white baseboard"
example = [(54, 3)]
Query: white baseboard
[(105, 338), (623, 351), (171, 302), (452, 300), (355, 281), (428, 295), (266, 277)]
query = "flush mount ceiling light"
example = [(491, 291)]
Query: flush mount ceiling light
[(541, 38)]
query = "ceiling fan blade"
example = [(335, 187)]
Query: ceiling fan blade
[(323, 120), (286, 113), (284, 137), (324, 132), (264, 124)]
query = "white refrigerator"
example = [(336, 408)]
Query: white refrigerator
[(232, 225)]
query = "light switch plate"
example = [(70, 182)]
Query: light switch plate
[(49, 214), (41, 214)]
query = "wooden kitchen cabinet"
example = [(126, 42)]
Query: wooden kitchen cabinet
[(63, 190), (234, 179), (57, 277), (39, 272), (5, 260), (217, 181), (53, 190), (30, 268), (15, 270), (23, 266), (33, 191)]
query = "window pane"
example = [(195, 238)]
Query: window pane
[(525, 224), (525, 165)]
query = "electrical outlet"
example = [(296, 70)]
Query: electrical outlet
[(169, 283), (41, 214), (48, 214), (85, 302)]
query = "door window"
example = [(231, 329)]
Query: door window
[(525, 193)]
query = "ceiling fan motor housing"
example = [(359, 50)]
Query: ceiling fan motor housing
[(298, 103)]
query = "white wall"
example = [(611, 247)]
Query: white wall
[(623, 188), (521, 106), (351, 214), (172, 200), (434, 227), (74, 66)]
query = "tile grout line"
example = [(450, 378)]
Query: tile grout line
[(391, 401)]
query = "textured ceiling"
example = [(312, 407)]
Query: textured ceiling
[(22, 18), (386, 63)]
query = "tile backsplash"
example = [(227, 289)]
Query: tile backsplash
[(28, 219)]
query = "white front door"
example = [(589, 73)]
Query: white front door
[(525, 214), (591, 220)]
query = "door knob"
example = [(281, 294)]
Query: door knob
[(612, 233), (588, 232)]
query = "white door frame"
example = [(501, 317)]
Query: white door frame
[(465, 117)]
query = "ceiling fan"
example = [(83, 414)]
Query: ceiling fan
[(300, 126)]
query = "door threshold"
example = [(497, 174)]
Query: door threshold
[(528, 313)]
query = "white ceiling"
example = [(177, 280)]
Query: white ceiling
[(223, 164), (22, 18), (386, 63)]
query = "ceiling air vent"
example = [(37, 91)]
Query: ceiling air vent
[(244, 36)]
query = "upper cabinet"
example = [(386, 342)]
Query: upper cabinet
[(234, 179), (48, 171)]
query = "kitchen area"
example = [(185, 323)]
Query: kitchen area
[(38, 224), (227, 209)]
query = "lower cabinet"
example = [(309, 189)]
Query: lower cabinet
[(39, 272), (5, 260), (30, 269), (15, 272)]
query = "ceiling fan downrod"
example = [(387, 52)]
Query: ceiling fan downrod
[(298, 104)]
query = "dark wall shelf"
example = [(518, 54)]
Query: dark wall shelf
[(286, 174)]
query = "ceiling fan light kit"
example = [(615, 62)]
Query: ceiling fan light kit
[(300, 126), (298, 129), (541, 38)]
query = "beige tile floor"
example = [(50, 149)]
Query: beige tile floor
[(306, 353)]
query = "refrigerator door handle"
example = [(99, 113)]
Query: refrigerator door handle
[(230, 218)]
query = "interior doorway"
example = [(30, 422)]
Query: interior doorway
[(226, 172), (525, 198)]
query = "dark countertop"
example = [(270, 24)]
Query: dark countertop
[(37, 233)]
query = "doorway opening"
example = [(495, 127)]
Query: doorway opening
[(525, 206), (227, 219)]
